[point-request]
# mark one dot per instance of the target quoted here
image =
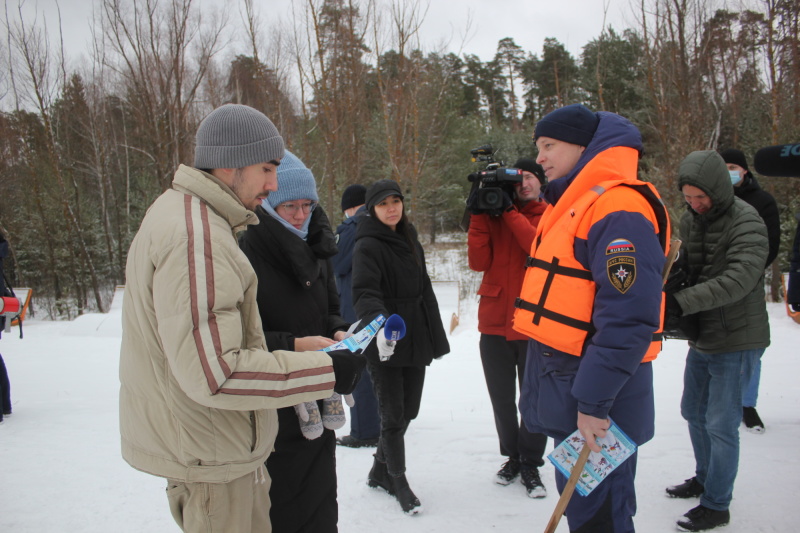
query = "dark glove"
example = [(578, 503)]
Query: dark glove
[(472, 201), (508, 204), (676, 281), (673, 308), (347, 367), (672, 315)]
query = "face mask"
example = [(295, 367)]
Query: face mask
[(735, 176)]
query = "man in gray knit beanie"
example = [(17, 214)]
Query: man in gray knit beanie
[(242, 148), (198, 388)]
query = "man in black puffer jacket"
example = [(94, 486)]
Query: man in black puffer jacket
[(747, 188), (725, 243)]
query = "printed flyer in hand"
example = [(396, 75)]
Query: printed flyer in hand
[(358, 341), (615, 448)]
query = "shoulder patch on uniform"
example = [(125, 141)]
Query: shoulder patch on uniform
[(337, 238), (619, 245), (621, 272)]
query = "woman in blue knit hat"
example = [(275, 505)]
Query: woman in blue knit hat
[(290, 250)]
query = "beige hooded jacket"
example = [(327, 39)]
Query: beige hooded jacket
[(198, 387)]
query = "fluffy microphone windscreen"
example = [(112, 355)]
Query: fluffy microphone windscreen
[(780, 160)]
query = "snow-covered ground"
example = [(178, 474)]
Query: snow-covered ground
[(61, 470)]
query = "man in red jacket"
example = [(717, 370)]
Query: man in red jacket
[(498, 246)]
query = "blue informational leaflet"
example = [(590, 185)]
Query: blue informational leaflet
[(357, 342), (615, 448)]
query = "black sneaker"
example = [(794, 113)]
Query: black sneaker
[(691, 488), (532, 481), (508, 472), (751, 420), (352, 442), (702, 519)]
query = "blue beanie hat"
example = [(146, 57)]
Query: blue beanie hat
[(574, 124), (295, 182), (236, 136)]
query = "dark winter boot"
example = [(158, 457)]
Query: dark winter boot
[(691, 488), (379, 477), (702, 519), (751, 420), (408, 501)]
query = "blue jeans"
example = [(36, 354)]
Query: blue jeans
[(750, 398), (712, 405), (365, 420)]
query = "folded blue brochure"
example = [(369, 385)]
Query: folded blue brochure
[(616, 447)]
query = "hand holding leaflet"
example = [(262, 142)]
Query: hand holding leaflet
[(616, 447)]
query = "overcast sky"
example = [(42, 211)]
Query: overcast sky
[(528, 22)]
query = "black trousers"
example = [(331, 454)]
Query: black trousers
[(5, 390), (399, 393), (303, 472), (504, 367)]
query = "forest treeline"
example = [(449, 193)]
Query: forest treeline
[(358, 97)]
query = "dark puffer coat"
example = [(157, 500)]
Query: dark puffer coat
[(726, 249), (389, 279), (752, 193), (297, 298)]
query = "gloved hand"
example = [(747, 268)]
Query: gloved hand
[(333, 416), (676, 281), (385, 346), (508, 203), (472, 201), (672, 307), (347, 367), (310, 420)]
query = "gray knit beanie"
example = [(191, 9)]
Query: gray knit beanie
[(295, 182), (236, 136)]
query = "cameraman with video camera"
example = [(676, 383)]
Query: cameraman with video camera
[(498, 243)]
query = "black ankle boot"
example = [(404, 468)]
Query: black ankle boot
[(408, 501), (379, 477)]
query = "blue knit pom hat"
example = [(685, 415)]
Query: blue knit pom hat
[(295, 182), (236, 136), (574, 124)]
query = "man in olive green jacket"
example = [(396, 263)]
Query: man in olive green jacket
[(725, 246), (199, 390)]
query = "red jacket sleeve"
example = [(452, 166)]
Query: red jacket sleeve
[(524, 230), (479, 243)]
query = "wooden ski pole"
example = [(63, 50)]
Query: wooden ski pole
[(566, 494)]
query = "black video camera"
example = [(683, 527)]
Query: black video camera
[(488, 185)]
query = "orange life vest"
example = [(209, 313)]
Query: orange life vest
[(558, 294)]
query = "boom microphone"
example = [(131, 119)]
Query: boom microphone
[(780, 160)]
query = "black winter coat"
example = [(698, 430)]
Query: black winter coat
[(389, 279), (296, 291), (297, 297), (752, 193)]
